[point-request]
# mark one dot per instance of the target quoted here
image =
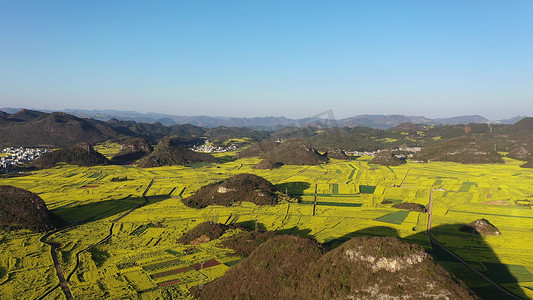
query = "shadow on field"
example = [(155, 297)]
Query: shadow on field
[(85, 213), (226, 159), (294, 189), (458, 242)]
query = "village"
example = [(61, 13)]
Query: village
[(12, 157)]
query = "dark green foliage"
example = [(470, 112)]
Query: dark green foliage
[(3, 272), (119, 179), (290, 152), (240, 187), (81, 154), (350, 139), (257, 149), (386, 158), (272, 271), (265, 164), (295, 152), (246, 242), (23, 209), (167, 153), (98, 255), (293, 267), (53, 130), (410, 206), (210, 230), (466, 150), (408, 127), (523, 149), (529, 164), (133, 149), (336, 153), (223, 133), (481, 227)]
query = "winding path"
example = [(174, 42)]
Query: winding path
[(64, 282), (464, 262)]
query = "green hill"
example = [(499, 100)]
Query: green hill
[(386, 158), (466, 150), (240, 187), (81, 154), (20, 208), (133, 149), (529, 164), (293, 267), (167, 153)]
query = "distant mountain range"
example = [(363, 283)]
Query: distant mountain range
[(273, 123)]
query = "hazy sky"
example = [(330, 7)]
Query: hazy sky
[(259, 58)]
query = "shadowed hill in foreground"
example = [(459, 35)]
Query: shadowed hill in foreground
[(20, 208), (466, 150), (293, 267), (167, 153), (241, 187), (81, 154)]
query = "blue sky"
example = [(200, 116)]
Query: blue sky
[(260, 58)]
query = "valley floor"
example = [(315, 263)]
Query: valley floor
[(124, 245)]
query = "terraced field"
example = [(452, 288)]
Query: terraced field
[(124, 245)]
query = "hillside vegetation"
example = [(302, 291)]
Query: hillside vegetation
[(167, 153), (466, 150), (386, 158), (81, 154), (20, 208), (238, 188), (133, 149), (289, 152), (293, 267)]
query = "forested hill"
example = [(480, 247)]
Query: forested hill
[(38, 129)]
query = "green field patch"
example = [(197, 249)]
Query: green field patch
[(503, 273), (437, 182), (465, 187), (175, 253), (141, 229), (394, 218), (335, 188), (351, 174), (337, 204), (94, 175), (392, 201), (171, 272), (232, 263), (165, 264), (489, 214), (367, 189)]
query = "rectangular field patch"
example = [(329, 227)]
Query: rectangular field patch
[(395, 217), (205, 265)]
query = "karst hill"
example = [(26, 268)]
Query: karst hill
[(20, 208), (466, 150), (167, 153), (238, 188)]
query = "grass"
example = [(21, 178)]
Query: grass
[(349, 204)]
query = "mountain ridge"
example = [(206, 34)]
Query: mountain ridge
[(272, 122)]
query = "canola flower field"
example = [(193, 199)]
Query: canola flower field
[(122, 243)]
